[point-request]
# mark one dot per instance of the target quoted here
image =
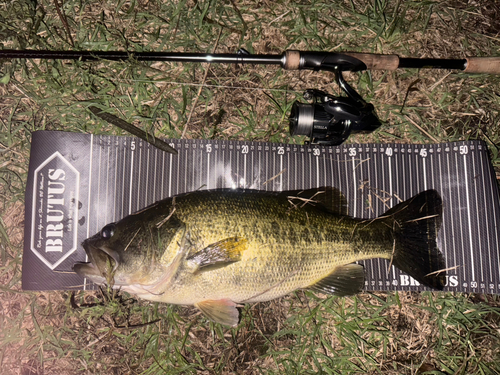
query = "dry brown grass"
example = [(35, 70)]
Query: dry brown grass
[(54, 333)]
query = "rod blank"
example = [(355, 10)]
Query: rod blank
[(142, 56)]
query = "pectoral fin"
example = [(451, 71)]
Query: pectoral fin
[(218, 254), (221, 311), (343, 281)]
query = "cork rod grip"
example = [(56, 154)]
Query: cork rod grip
[(292, 60), (489, 65), (375, 61), (372, 61)]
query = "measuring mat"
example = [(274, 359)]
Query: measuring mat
[(77, 183)]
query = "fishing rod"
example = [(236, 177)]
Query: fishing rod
[(328, 120), (290, 60)]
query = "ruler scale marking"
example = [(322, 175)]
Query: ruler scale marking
[(117, 158), (106, 218), (477, 237), (391, 199), (91, 173), (486, 220), (452, 232), (416, 162), (97, 216)]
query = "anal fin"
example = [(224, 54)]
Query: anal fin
[(345, 280), (223, 311)]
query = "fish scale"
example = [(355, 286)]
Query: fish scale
[(281, 268)]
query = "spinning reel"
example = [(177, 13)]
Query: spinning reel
[(329, 119)]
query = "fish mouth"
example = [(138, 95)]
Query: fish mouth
[(102, 266)]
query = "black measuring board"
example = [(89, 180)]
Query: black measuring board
[(109, 177)]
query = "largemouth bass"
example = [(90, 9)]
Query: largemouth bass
[(215, 249)]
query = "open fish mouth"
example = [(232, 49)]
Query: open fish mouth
[(102, 266)]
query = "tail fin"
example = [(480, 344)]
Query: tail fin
[(416, 223)]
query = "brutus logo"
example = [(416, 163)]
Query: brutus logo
[(55, 210)]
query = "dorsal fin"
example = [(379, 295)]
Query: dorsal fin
[(325, 198)]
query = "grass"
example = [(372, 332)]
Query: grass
[(102, 332)]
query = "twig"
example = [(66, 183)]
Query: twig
[(274, 177), (112, 119), (64, 22), (421, 129)]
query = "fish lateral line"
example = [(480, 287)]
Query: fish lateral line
[(292, 274)]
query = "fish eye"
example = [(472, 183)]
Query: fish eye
[(108, 231)]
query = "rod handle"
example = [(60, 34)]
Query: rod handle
[(292, 60), (371, 60), (375, 61), (488, 65)]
